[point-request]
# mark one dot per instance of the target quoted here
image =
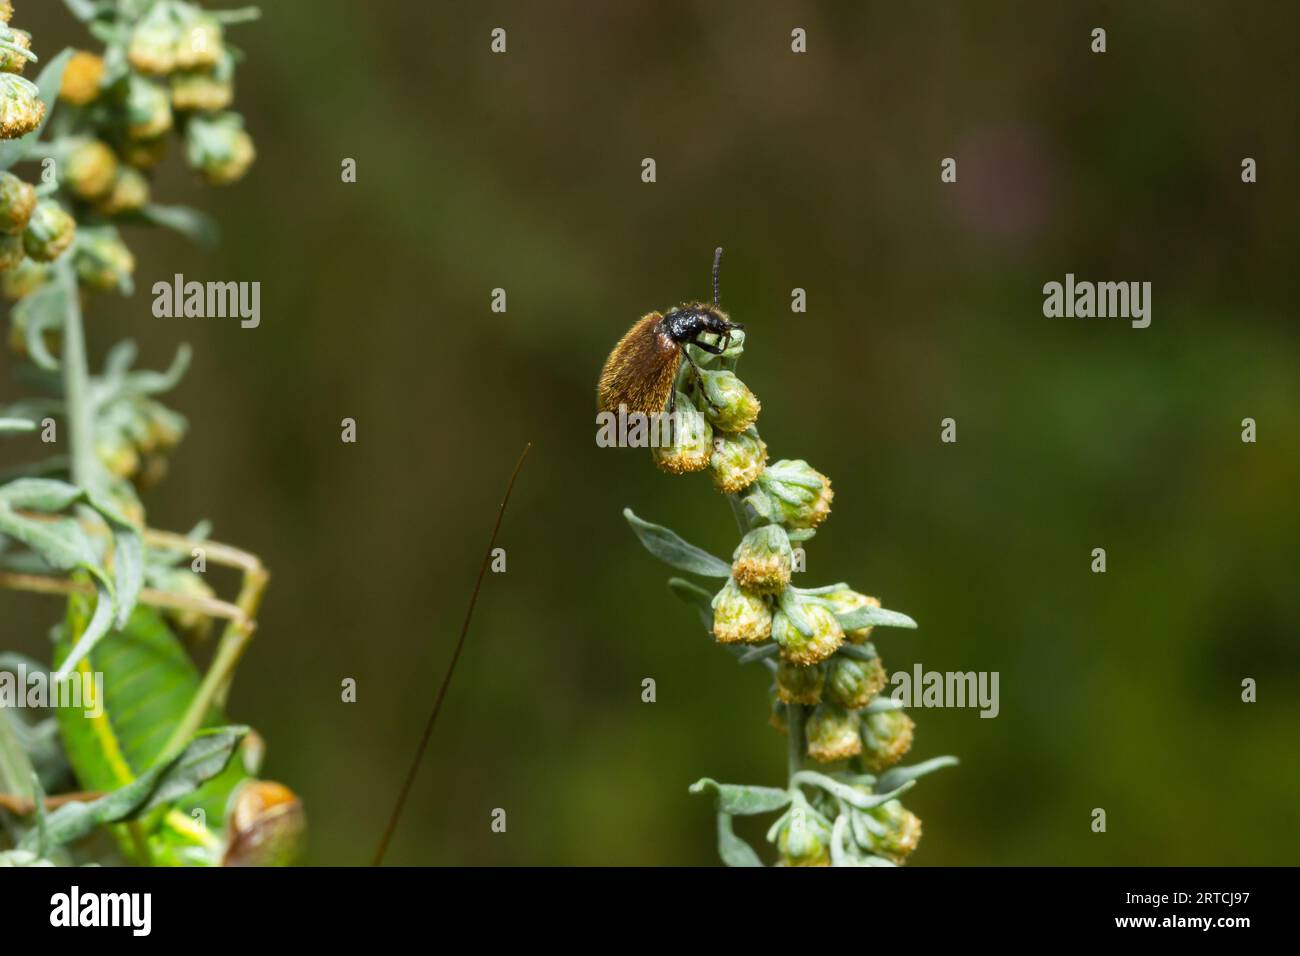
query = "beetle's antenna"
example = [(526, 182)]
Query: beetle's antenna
[(717, 266)]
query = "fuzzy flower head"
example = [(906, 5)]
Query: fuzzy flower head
[(800, 495), (832, 733), (886, 737), (737, 461), (12, 61), (103, 261), (219, 147), (12, 253), (201, 90), (730, 405), (845, 601), (17, 203), (148, 110), (852, 683), (800, 685), (692, 442), (21, 108), (81, 79), (763, 559), (90, 169), (49, 232), (740, 616), (804, 838), (807, 633), (891, 830), (129, 193)]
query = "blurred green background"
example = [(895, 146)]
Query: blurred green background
[(819, 171)]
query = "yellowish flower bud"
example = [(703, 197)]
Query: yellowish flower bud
[(200, 90), (762, 560), (893, 831), (200, 45), (81, 79), (21, 108), (219, 148), (103, 261), (145, 153), (801, 494), (24, 279), (49, 232), (731, 406), (832, 733), (852, 683), (800, 648), (692, 442), (737, 461), (804, 838), (845, 601), (148, 110), (90, 169), (17, 203), (12, 252), (800, 685), (12, 61), (130, 193), (886, 737), (740, 617)]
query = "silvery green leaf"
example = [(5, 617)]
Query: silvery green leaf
[(873, 617), (11, 426), (194, 225), (62, 543), (897, 776), (759, 652), (40, 494), (47, 83), (818, 591), (856, 798), (17, 858), (167, 781), (696, 597), (669, 548), (732, 849), (879, 705), (737, 799), (859, 652), (844, 851), (792, 606)]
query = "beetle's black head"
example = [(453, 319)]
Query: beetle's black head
[(687, 322)]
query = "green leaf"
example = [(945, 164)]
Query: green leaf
[(48, 83), (194, 225), (897, 776), (856, 798), (732, 849), (9, 426), (669, 548), (873, 617), (166, 782), (696, 597), (859, 652), (737, 799)]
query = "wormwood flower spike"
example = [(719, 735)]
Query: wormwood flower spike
[(826, 678)]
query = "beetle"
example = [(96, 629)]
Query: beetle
[(641, 370)]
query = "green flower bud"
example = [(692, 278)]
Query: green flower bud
[(886, 736), (822, 638), (731, 406), (800, 685), (117, 455), (6, 10), (90, 169), (148, 110), (892, 831), (200, 45), (219, 148), (49, 232), (200, 90), (103, 261), (23, 279), (166, 427), (852, 684), (12, 252), (265, 825), (832, 733), (737, 461), (130, 193), (804, 838), (692, 442), (740, 617), (17, 202), (154, 41), (145, 153), (81, 79), (762, 560), (801, 494), (845, 601), (21, 108), (10, 60)]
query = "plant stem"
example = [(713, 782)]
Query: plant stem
[(76, 384)]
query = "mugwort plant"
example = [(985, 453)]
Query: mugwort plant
[(122, 752), (815, 641)]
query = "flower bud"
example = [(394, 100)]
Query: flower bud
[(154, 40), (12, 61), (692, 442), (199, 46), (886, 736), (800, 685), (219, 148), (145, 153), (90, 169), (49, 232), (762, 560), (737, 461), (821, 639), (117, 455), (801, 494), (24, 279), (852, 683), (832, 733), (166, 427), (893, 831), (103, 261), (130, 193), (12, 252), (265, 825), (804, 838), (17, 202), (148, 110), (740, 617), (845, 601), (21, 108), (81, 79), (6, 11), (200, 90), (731, 406)]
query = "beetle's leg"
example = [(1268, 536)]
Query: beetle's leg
[(699, 378)]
